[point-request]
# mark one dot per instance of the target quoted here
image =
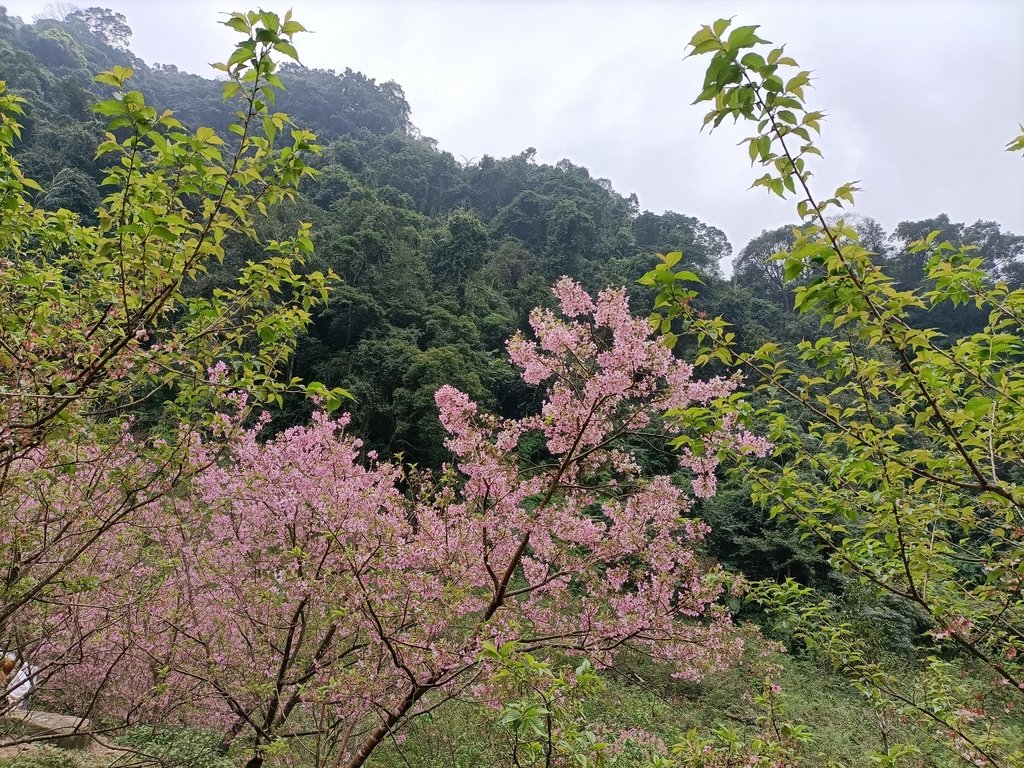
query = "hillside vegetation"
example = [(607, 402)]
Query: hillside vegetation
[(802, 547)]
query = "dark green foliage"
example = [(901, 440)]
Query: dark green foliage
[(640, 695), (1001, 253), (330, 104), (703, 245), (460, 251), (333, 104), (111, 27), (755, 269), (745, 538), (74, 190)]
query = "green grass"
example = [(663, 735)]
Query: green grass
[(637, 695), (643, 695)]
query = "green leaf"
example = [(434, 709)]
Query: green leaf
[(243, 53), (799, 79), (978, 406), (743, 37), (164, 233), (753, 61), (288, 50), (107, 78), (688, 277), (702, 36), (109, 107), (237, 23)]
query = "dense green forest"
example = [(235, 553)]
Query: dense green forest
[(441, 261)]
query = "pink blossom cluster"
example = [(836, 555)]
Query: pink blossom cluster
[(73, 505), (299, 575)]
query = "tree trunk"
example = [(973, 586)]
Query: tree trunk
[(381, 731)]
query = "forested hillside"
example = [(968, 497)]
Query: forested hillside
[(440, 261)]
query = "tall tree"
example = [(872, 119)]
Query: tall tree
[(294, 581), (111, 27), (96, 328), (756, 269), (905, 463), (460, 252)]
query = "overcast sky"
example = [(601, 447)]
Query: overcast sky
[(921, 96)]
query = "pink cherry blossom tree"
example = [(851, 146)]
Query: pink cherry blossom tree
[(304, 591), (102, 322)]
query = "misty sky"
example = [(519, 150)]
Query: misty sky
[(921, 96)]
